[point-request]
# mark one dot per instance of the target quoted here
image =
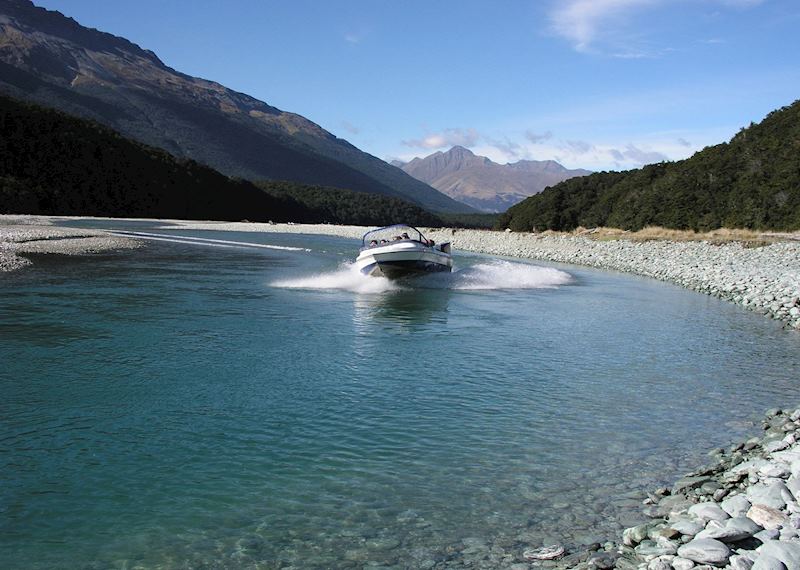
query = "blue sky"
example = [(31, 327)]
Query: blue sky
[(598, 84)]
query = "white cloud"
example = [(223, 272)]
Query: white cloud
[(591, 25), (446, 138), (352, 38), (580, 21)]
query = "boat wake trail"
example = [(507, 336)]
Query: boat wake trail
[(498, 274), (347, 278), (202, 241), (494, 275)]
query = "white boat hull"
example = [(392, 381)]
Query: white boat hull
[(403, 259)]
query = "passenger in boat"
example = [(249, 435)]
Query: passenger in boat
[(397, 238), (405, 235), (373, 243), (383, 241)]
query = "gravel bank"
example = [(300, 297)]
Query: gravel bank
[(763, 279), (739, 513), (27, 234)]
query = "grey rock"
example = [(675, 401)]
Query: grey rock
[(659, 565), (738, 562), (710, 487), (736, 506), (706, 551), (719, 494), (752, 465), (650, 548), (776, 446), (744, 524), (772, 495), (786, 552), (687, 483), (793, 484), (766, 562), (725, 534), (682, 563), (625, 564), (767, 534), (634, 535), (603, 560), (545, 553), (686, 526), (708, 512)]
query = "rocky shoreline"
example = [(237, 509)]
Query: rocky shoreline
[(26, 234), (739, 513)]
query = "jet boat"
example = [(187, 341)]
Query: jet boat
[(401, 251)]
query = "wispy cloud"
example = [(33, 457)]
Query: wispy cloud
[(638, 156), (536, 138), (579, 147), (352, 38), (741, 3), (350, 128), (446, 138), (505, 145), (580, 21), (602, 26)]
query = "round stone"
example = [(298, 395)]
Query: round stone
[(705, 551)]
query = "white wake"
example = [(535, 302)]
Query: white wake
[(347, 277), (494, 275), (500, 274)]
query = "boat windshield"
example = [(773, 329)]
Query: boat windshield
[(398, 232)]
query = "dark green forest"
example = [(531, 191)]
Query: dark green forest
[(339, 206), (753, 181), (53, 163)]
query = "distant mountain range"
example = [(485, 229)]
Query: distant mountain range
[(483, 184), (753, 181), (52, 60)]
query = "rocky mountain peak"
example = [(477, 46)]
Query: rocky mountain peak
[(478, 181)]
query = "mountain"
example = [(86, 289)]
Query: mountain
[(53, 163), (52, 60), (752, 181), (483, 184)]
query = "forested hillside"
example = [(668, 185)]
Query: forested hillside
[(339, 206), (52, 163), (753, 181), (50, 59)]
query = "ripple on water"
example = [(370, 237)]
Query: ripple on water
[(279, 408)]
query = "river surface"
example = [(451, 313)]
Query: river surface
[(207, 405)]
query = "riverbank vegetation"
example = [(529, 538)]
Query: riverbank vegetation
[(55, 164), (752, 182)]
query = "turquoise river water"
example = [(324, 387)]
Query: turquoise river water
[(198, 404)]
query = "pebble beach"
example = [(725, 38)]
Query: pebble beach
[(20, 235)]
